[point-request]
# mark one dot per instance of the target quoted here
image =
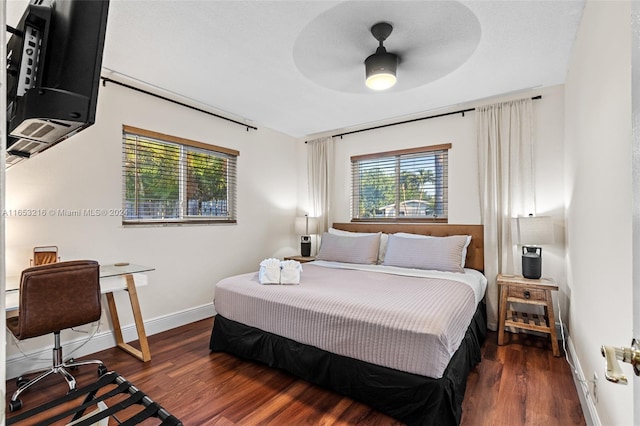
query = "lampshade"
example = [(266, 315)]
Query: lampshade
[(534, 230), (305, 225), (380, 69)]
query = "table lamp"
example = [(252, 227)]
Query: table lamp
[(302, 226), (533, 231)]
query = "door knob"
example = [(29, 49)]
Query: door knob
[(614, 373)]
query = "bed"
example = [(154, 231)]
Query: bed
[(380, 317)]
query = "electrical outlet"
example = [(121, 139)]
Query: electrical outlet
[(595, 387)]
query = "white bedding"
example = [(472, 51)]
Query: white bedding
[(405, 319), (474, 279)]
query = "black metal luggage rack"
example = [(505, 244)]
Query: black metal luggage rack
[(119, 399)]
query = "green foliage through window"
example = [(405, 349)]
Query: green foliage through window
[(166, 181), (406, 184)]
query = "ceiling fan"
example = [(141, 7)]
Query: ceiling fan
[(428, 41), (380, 68)]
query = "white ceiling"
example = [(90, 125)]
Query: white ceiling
[(298, 66)]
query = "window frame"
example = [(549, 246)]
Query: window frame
[(398, 154), (186, 146)]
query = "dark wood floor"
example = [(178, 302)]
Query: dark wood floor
[(517, 384)]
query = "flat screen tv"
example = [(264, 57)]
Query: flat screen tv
[(54, 58)]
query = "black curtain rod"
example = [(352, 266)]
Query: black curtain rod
[(106, 79), (462, 111)]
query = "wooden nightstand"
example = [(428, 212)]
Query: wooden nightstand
[(301, 259), (515, 288)]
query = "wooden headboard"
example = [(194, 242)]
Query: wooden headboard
[(475, 251)]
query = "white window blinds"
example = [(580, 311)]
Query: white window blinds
[(167, 179), (406, 184)]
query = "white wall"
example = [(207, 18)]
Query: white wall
[(464, 203), (3, 132), (85, 172), (598, 197)]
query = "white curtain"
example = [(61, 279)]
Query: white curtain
[(505, 165), (320, 171)]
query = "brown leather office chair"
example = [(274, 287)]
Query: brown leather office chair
[(54, 297)]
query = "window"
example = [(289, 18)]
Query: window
[(397, 185), (167, 179)]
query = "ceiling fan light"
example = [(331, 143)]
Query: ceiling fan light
[(380, 70), (381, 81)]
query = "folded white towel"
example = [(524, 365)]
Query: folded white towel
[(269, 271), (270, 262), (290, 272), (291, 264)]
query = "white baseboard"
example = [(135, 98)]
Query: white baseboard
[(41, 358), (582, 387)]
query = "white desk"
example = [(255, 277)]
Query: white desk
[(115, 277)]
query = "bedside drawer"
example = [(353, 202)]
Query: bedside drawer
[(527, 294)]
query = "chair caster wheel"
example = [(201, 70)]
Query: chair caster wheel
[(102, 370), (15, 405), (21, 381)]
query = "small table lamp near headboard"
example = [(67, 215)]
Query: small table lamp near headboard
[(533, 231)]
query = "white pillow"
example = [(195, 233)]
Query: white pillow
[(383, 239), (464, 249), (339, 248), (436, 253)]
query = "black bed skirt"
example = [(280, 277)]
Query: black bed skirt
[(410, 398)]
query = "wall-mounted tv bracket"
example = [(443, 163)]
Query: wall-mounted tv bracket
[(29, 58), (14, 31), (12, 68)]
